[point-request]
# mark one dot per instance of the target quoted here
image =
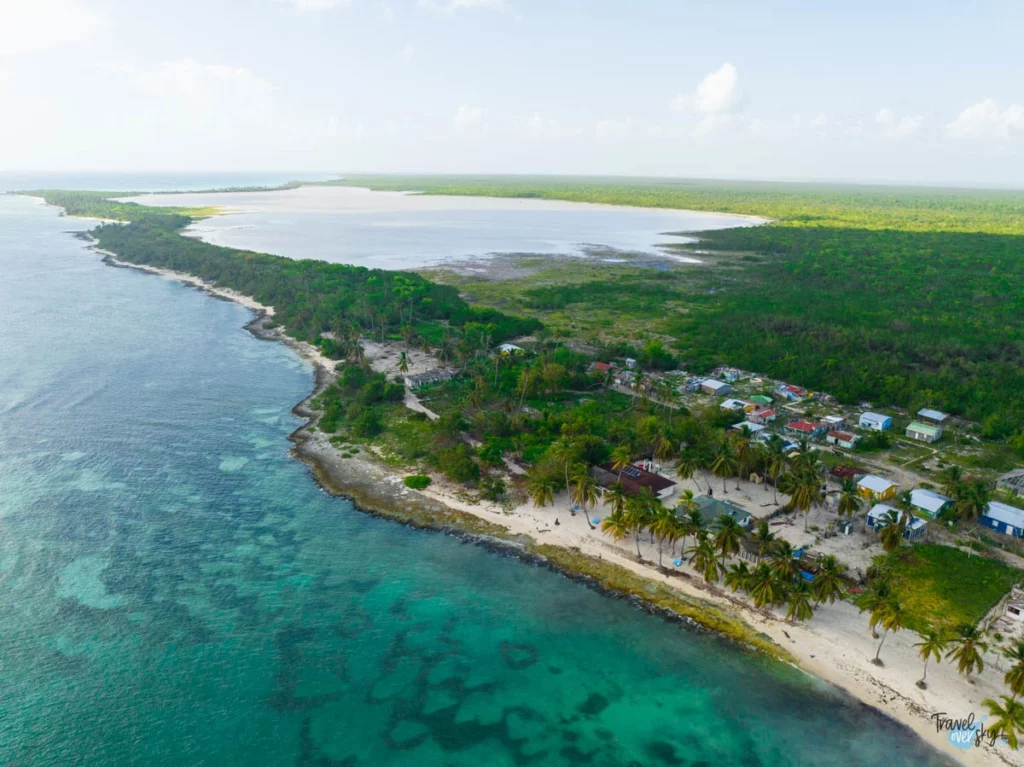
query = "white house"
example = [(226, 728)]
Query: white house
[(736, 404), (718, 388), (753, 428), (875, 421), (510, 349)]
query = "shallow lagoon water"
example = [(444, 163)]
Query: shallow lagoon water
[(395, 230), (175, 590)]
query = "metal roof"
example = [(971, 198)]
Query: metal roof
[(1006, 514), (928, 500), (875, 483), (934, 415), (874, 417), (923, 428)]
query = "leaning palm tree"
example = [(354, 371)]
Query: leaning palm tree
[(828, 582), (932, 645), (687, 465), (704, 559), (891, 533), (542, 489), (691, 518), (972, 499), (1015, 676), (890, 616), (799, 597), (566, 453), (967, 649), (584, 490), (877, 593), (615, 496), (638, 515), (621, 456), (738, 576), (1009, 719), (765, 586), (776, 461), (950, 477), (403, 363), (615, 525), (727, 535)]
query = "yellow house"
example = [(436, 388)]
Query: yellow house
[(877, 488)]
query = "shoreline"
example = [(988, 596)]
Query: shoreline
[(837, 660)]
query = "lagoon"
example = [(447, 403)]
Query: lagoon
[(397, 230)]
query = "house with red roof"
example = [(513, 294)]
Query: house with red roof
[(806, 429)]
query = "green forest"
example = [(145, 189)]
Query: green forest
[(906, 297)]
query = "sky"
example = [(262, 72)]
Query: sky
[(902, 92)]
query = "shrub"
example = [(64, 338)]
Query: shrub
[(417, 481)]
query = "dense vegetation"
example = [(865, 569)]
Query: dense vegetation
[(326, 304), (906, 297)]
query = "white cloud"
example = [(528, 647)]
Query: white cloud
[(32, 26), (470, 119), (535, 125), (985, 120), (451, 6), (407, 53), (614, 128), (318, 5), (823, 120), (717, 94), (894, 129)]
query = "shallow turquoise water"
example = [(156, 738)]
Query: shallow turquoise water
[(175, 590)]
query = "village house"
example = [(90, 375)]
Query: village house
[(929, 502), (736, 404), (793, 393), (842, 439), (1003, 518), (834, 422), (1013, 612), (431, 377), (842, 473), (1012, 481), (806, 429), (761, 399), (877, 488), (752, 428), (875, 421), (694, 386), (762, 416), (932, 416), (601, 368), (879, 517), (712, 508), (922, 432), (633, 478), (717, 388), (511, 349)]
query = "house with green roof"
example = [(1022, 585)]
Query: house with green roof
[(712, 508), (924, 432)]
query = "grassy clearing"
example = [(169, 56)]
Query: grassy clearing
[(945, 587)]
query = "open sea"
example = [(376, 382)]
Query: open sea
[(176, 590)]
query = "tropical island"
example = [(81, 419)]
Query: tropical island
[(698, 438)]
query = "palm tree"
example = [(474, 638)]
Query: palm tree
[(691, 518), (890, 616), (763, 537), (724, 464), (784, 562), (828, 583), (805, 487), (1015, 676), (704, 559), (738, 576), (542, 489), (877, 594), (615, 496), (403, 363), (800, 608), (891, 533), (967, 650), (932, 645), (849, 501), (621, 456), (727, 536), (615, 525), (972, 499), (950, 477), (776, 461), (584, 490), (687, 465), (637, 517), (665, 526), (565, 452), (765, 586), (1009, 719)]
